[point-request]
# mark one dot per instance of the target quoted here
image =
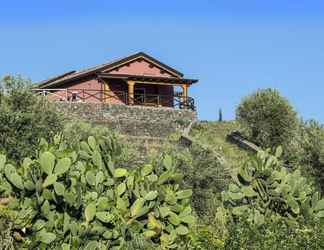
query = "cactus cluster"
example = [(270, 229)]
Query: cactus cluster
[(80, 199), (264, 189)]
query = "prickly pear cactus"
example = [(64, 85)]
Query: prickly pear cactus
[(263, 188), (80, 199)]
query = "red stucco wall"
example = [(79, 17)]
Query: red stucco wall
[(88, 88), (140, 67)]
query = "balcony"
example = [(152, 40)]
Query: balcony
[(177, 101)]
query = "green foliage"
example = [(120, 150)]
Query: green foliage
[(6, 227), (272, 236), (24, 119), (211, 235), (214, 135), (267, 118), (76, 131), (204, 173), (311, 151), (312, 141), (204, 238), (263, 188), (78, 198), (81, 191)]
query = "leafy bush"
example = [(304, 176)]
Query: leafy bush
[(124, 151), (210, 235), (312, 140), (204, 238), (7, 241), (267, 118), (76, 131), (266, 207), (311, 151), (270, 207), (273, 236), (264, 189), (205, 174), (24, 119), (72, 199)]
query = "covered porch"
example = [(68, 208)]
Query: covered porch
[(148, 90), (130, 90)]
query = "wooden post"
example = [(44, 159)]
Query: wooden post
[(130, 92), (184, 95), (106, 91), (185, 91)]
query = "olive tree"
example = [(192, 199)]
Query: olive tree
[(267, 118)]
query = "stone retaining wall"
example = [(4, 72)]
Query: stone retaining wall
[(238, 139), (132, 120)]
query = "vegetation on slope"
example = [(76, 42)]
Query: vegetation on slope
[(214, 135), (80, 198), (24, 118), (239, 200), (267, 118)]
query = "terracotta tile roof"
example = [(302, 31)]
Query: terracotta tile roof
[(71, 75)]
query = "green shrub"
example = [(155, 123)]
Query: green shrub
[(123, 152), (263, 188), (311, 144), (205, 174), (312, 141), (267, 118), (272, 236), (72, 199), (204, 238), (24, 119), (210, 235), (76, 131), (7, 241), (271, 207)]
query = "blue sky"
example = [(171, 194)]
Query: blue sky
[(232, 47)]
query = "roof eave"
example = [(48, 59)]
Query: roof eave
[(44, 83), (146, 77), (51, 85)]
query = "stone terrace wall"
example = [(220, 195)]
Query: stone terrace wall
[(131, 120)]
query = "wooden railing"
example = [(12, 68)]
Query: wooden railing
[(92, 95)]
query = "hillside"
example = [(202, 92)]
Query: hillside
[(213, 135), (156, 183)]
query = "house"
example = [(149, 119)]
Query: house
[(138, 79)]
